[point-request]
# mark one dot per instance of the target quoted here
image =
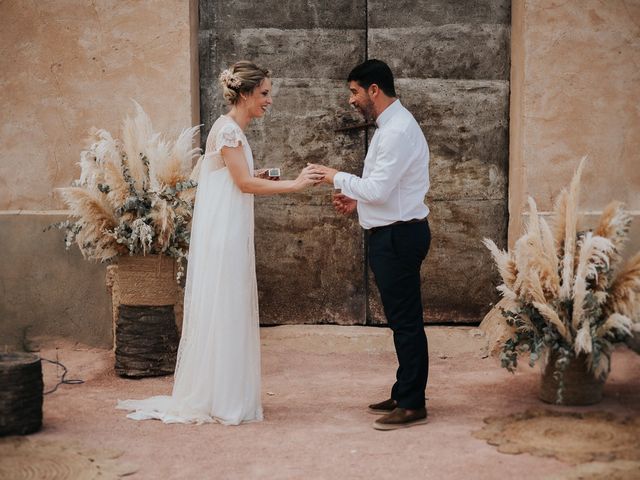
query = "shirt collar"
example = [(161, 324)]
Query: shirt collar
[(388, 112)]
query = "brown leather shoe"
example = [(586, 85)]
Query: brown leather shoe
[(401, 418), (383, 407)]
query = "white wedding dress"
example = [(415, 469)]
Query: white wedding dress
[(217, 377)]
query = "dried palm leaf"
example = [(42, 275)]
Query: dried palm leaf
[(89, 206), (521, 255), (137, 133), (532, 287), (96, 217), (184, 151), (559, 222), (506, 265), (571, 227), (549, 246), (161, 165), (624, 293), (542, 257), (118, 187), (615, 323), (602, 368), (163, 217), (594, 254), (584, 342), (90, 171), (107, 148), (614, 225), (506, 292), (550, 315)]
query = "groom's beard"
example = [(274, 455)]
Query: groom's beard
[(367, 111)]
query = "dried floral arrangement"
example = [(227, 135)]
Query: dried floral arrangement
[(563, 283), (134, 196)]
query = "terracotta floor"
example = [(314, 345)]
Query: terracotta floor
[(317, 382)]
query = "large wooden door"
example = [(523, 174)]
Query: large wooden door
[(309, 261), (451, 61)]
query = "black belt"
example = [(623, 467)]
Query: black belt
[(401, 222)]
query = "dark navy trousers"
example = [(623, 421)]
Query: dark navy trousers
[(395, 255)]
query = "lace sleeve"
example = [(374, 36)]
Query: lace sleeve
[(228, 136)]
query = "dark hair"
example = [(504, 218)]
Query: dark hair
[(374, 71)]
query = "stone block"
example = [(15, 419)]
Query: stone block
[(285, 14), (309, 265), (459, 51), (466, 124), (313, 53), (419, 13)]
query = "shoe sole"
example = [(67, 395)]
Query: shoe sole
[(373, 411), (397, 426)]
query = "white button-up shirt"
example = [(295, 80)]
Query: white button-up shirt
[(395, 179)]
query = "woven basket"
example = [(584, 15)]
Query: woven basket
[(20, 393), (580, 386), (144, 280), (147, 280), (145, 347)]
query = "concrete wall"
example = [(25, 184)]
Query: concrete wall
[(575, 91), (68, 65)]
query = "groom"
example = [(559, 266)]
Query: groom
[(389, 199)]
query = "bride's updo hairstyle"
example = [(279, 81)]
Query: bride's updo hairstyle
[(241, 77)]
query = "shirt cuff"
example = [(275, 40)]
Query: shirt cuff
[(339, 180)]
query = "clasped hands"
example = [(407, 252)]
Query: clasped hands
[(314, 174), (341, 202)]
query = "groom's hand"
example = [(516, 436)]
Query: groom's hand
[(328, 172), (344, 204)]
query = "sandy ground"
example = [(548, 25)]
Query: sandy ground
[(317, 382)]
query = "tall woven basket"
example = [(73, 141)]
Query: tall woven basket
[(580, 387), (145, 296)]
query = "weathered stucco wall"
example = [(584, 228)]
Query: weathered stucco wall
[(68, 65), (575, 91)]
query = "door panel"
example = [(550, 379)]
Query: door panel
[(310, 264), (451, 62)]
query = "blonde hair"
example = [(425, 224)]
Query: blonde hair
[(241, 77)]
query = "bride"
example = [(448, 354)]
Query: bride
[(217, 375)]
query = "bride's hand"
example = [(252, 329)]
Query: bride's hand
[(309, 176)]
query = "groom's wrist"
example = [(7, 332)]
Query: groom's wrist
[(338, 180)]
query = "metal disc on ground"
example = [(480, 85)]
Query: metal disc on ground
[(570, 437), (26, 459)]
